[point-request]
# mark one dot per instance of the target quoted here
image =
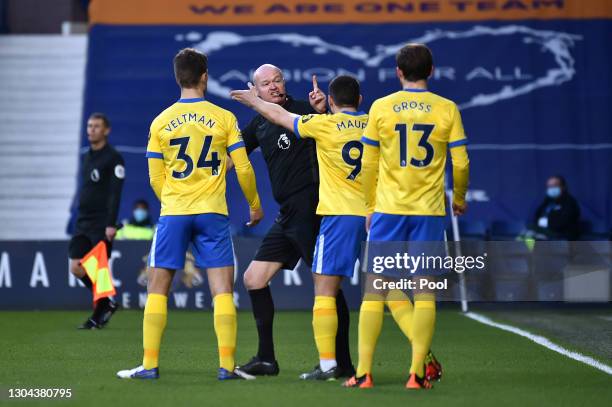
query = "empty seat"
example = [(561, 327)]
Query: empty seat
[(506, 230), (596, 230), (549, 290), (511, 290), (509, 268), (473, 229)]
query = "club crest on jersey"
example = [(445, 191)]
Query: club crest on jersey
[(283, 142), (307, 118), (95, 175)]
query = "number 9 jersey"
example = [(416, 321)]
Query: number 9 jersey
[(339, 152), (413, 129), (193, 138)]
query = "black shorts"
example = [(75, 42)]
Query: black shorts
[(81, 243), (294, 232)]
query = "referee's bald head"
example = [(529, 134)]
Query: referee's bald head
[(270, 84)]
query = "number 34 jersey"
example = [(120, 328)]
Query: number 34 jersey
[(193, 137), (414, 129), (339, 152)]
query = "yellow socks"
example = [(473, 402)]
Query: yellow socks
[(325, 327), (401, 308), (225, 327), (370, 325), (423, 323), (153, 325)]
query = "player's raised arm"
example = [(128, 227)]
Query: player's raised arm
[(271, 111), (244, 172), (461, 163)]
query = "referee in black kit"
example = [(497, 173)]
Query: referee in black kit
[(293, 170), (101, 181)]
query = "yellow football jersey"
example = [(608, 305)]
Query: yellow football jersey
[(193, 137), (413, 128), (339, 152)]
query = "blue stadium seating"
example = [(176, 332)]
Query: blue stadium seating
[(506, 230), (473, 229), (596, 230), (511, 291), (549, 290)]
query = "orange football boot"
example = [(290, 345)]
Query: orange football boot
[(363, 382), (418, 383)]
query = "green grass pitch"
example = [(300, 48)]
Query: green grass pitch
[(483, 365)]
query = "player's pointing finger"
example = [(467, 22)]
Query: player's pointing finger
[(315, 84)]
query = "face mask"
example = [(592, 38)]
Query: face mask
[(140, 215), (553, 192)]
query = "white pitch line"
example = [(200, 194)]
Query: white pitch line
[(540, 340)]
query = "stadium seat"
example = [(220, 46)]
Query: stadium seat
[(507, 248), (597, 230), (511, 291), (506, 230), (549, 290), (473, 229), (475, 290), (550, 259), (552, 248), (473, 247), (510, 268)]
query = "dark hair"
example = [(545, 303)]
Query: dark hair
[(415, 61), (561, 179), (101, 116), (141, 202), (345, 91), (189, 66)]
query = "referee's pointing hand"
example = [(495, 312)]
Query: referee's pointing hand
[(316, 97)]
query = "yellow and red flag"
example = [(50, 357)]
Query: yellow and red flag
[(95, 264)]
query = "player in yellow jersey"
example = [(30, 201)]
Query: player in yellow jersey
[(341, 201), (405, 152), (188, 147)]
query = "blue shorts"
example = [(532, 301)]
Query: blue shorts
[(209, 233), (338, 245), (406, 228), (415, 236)]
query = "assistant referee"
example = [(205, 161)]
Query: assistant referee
[(101, 181), (293, 170)]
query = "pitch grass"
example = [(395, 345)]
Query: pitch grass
[(483, 365)]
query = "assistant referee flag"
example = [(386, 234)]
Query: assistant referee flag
[(95, 264)]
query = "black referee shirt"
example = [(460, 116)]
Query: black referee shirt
[(292, 163), (102, 174)]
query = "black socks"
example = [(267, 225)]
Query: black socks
[(263, 311), (343, 354)]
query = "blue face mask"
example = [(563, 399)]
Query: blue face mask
[(553, 192), (140, 214)]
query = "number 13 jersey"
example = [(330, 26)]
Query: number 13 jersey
[(194, 137), (414, 129)]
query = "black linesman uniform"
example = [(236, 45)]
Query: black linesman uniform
[(293, 169), (101, 181)]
